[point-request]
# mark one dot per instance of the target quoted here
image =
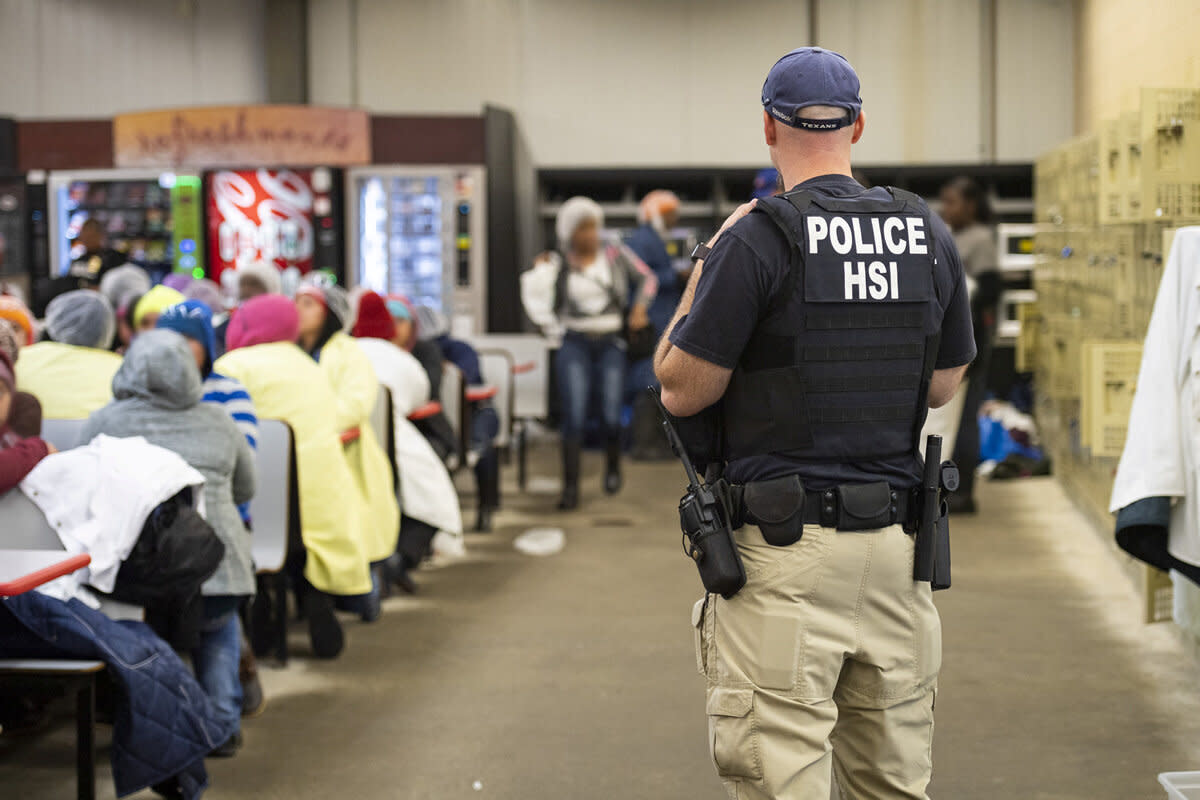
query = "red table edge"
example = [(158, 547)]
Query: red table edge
[(45, 575), (426, 411), (476, 394)]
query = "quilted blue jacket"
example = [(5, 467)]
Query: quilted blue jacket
[(164, 724)]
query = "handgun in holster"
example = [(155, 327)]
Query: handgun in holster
[(939, 480), (704, 517)]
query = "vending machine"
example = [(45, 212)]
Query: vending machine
[(151, 217), (14, 228), (288, 217), (421, 232)]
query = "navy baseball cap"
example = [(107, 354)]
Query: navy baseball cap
[(812, 76)]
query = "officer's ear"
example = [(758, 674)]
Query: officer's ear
[(858, 129), (769, 131)]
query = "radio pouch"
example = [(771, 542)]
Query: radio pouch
[(865, 506), (777, 508)]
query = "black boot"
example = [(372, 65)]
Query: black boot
[(487, 479), (572, 451), (324, 630), (612, 468)]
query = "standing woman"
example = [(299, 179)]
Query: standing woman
[(590, 292), (966, 210), (324, 311)]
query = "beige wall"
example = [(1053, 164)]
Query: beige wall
[(676, 82), (1124, 45), (96, 58)]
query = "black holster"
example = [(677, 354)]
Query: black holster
[(931, 561), (704, 519)]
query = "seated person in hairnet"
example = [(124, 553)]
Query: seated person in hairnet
[(159, 394), (428, 500), (123, 283), (209, 293), (152, 304), (287, 384), (71, 371), (324, 311), (244, 283), (433, 325), (18, 454), (124, 287), (25, 416)]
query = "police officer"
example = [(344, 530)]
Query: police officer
[(827, 321)]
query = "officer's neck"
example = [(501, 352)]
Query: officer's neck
[(798, 171)]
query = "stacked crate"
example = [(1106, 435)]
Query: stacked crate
[(1106, 206)]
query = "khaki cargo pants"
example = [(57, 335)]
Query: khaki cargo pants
[(823, 669)]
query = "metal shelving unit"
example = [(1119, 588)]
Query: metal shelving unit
[(708, 195)]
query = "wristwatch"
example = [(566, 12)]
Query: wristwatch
[(701, 252)]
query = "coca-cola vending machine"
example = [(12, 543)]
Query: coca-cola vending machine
[(288, 217)]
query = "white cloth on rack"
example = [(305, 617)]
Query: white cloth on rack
[(1163, 444), (97, 498)]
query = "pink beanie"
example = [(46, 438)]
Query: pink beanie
[(262, 320)]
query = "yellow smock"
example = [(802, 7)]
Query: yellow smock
[(353, 381), (70, 382), (287, 385)]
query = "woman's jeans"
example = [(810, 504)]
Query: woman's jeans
[(588, 365), (217, 657)]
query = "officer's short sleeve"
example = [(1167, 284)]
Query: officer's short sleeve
[(958, 335), (730, 295)]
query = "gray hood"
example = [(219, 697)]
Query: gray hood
[(160, 369)]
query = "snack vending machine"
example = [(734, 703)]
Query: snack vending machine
[(151, 217), (421, 232), (14, 228), (288, 217)]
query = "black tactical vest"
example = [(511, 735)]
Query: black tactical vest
[(838, 368)]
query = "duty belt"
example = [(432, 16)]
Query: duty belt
[(848, 508)]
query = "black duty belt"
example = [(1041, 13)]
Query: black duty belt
[(782, 506)]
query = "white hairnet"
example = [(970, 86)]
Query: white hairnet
[(124, 282), (82, 318), (208, 293), (335, 298), (264, 273), (574, 213), (431, 323)]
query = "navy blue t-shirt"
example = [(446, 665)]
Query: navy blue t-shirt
[(742, 275)]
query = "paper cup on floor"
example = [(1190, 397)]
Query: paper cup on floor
[(541, 541)]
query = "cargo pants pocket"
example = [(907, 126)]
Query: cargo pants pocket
[(698, 634), (733, 733)]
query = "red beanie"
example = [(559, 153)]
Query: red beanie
[(262, 320), (374, 320)]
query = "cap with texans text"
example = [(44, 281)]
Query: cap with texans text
[(812, 76)]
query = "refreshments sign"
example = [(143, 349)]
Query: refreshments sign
[(242, 135)]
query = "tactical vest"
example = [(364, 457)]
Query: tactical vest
[(838, 367)]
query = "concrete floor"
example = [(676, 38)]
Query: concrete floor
[(573, 676)]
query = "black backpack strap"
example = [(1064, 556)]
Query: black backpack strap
[(560, 287), (777, 208)]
